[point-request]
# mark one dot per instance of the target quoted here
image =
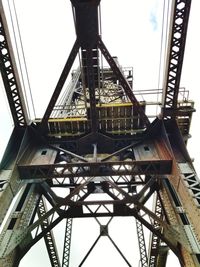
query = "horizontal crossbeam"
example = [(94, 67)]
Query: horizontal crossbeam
[(85, 169)]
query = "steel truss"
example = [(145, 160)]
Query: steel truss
[(10, 75), (49, 237), (142, 245), (124, 172), (89, 62), (174, 61), (67, 242), (155, 244), (123, 203)]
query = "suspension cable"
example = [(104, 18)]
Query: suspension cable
[(24, 59), (18, 56), (163, 42), (167, 28), (101, 55), (80, 63)]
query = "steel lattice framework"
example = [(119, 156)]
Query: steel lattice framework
[(97, 143), (10, 76), (176, 41)]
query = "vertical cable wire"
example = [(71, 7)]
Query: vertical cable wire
[(161, 43), (101, 55), (18, 56), (161, 53), (24, 59)]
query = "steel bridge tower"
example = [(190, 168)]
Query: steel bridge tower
[(97, 142)]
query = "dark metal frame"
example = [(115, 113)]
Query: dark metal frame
[(112, 175), (177, 40), (49, 237), (10, 75)]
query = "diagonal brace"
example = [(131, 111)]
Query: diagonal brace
[(60, 84), (96, 241), (123, 80)]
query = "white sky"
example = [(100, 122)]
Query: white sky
[(131, 31)]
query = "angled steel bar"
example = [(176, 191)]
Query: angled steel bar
[(48, 193), (123, 81), (10, 75), (174, 61), (119, 251), (48, 237), (124, 210), (67, 242), (149, 184), (39, 235), (60, 84), (121, 150), (139, 205), (68, 153), (102, 233), (54, 215), (151, 227), (90, 250)]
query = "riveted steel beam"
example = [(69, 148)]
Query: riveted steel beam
[(49, 171), (49, 237), (10, 75), (174, 61), (21, 217), (67, 242), (155, 240), (142, 245)]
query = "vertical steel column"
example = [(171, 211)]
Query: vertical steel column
[(13, 237), (174, 61), (87, 30), (91, 86), (154, 239), (48, 237), (142, 245), (67, 242)]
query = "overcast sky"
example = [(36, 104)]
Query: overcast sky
[(131, 31)]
